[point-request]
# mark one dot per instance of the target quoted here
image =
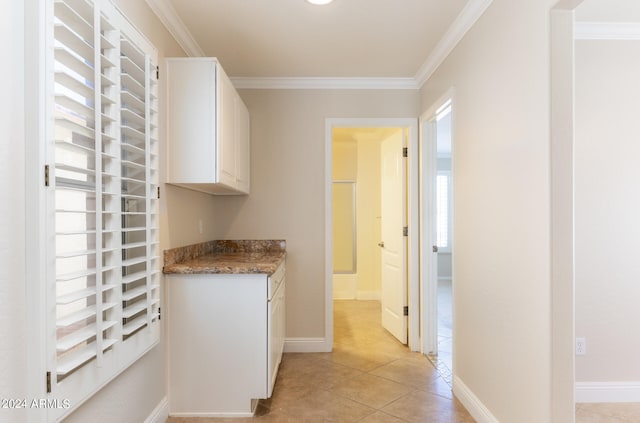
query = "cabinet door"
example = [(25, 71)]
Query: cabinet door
[(227, 131), (191, 127), (276, 335), (242, 146)]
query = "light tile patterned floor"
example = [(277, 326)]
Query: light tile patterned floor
[(369, 377), (444, 359)]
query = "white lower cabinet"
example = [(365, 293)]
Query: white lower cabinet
[(225, 341)]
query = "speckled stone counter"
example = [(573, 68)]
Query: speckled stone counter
[(230, 257)]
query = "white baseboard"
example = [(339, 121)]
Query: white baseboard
[(160, 414), (607, 391), (474, 406), (344, 295), (307, 345), (360, 295), (368, 295)]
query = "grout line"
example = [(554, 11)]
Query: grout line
[(442, 368)]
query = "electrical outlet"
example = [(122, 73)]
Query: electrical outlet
[(581, 346)]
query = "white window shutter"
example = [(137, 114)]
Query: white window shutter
[(103, 297)]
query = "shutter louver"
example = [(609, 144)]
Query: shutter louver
[(105, 249)]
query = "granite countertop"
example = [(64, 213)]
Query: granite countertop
[(226, 257)]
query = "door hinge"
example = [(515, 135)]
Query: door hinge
[(158, 193), (48, 382), (405, 231), (157, 72), (46, 175), (159, 313), (405, 311), (405, 152)]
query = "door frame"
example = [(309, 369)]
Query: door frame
[(429, 260), (413, 286), (562, 242)]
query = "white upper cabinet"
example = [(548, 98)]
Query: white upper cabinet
[(208, 128)]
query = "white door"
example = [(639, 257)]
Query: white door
[(393, 210)]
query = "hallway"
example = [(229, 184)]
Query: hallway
[(369, 377)]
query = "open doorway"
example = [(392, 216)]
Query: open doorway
[(444, 239), (360, 263), (369, 211)]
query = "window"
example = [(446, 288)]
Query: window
[(443, 185), (102, 147)]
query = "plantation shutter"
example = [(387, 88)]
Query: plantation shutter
[(139, 165), (102, 198)]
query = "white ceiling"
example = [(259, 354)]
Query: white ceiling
[(383, 39)]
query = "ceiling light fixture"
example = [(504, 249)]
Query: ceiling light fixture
[(319, 2)]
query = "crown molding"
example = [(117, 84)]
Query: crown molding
[(606, 31), (165, 11), (465, 20), (460, 26), (304, 83)]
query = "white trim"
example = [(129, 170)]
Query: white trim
[(313, 83), (344, 294), (165, 11), (460, 26), (307, 345), (588, 392), (368, 296), (35, 65), (607, 31), (562, 253), (328, 227), (160, 414), (472, 403), (413, 218)]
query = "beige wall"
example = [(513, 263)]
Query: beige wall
[(345, 172), (607, 209), (288, 180), (500, 72), (345, 160)]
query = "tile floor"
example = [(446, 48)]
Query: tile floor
[(608, 413), (444, 359), (369, 377)]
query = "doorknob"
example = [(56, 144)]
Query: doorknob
[(381, 244)]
